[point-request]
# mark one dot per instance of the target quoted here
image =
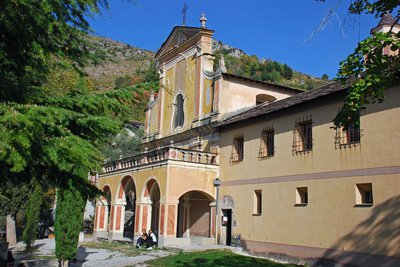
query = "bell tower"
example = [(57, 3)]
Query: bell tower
[(386, 24)]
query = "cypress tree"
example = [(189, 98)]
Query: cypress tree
[(31, 228), (68, 222)]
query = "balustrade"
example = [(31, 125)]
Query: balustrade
[(160, 155)]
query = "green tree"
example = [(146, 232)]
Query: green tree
[(287, 72), (12, 200), (68, 224), (149, 74), (325, 77), (123, 81), (32, 31), (125, 144), (52, 139), (367, 71), (32, 216)]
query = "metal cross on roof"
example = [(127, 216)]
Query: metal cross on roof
[(183, 12)]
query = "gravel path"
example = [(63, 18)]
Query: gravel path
[(43, 255)]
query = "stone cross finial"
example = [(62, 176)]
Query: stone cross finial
[(203, 21)]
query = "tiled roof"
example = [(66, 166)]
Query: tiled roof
[(267, 108)]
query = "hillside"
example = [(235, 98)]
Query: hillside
[(114, 64), (110, 60), (261, 69)]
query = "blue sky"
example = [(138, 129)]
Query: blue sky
[(276, 30)]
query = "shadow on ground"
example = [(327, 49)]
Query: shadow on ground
[(81, 257)]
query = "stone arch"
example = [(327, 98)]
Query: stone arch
[(196, 215), (150, 200), (204, 190), (125, 200)]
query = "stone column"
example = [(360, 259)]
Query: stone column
[(212, 218), (168, 222), (144, 214), (117, 220), (138, 214), (101, 220), (186, 218)]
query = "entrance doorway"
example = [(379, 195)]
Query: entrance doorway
[(128, 192), (227, 223)]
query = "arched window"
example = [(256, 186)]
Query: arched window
[(261, 98), (179, 116)]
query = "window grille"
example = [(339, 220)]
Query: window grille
[(267, 144), (348, 137), (302, 137), (237, 149), (179, 113)]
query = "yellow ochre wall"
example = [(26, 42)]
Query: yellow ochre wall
[(180, 78), (208, 96), (139, 177), (154, 116), (167, 94), (330, 220), (184, 178)]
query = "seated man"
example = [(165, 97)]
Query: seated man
[(142, 239), (152, 239)]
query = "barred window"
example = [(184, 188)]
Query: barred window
[(267, 144), (303, 137), (237, 149), (179, 115), (348, 137)]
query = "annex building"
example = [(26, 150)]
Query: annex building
[(290, 186)]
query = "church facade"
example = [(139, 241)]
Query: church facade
[(290, 185)]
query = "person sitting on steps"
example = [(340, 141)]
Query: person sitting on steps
[(152, 239), (142, 239)]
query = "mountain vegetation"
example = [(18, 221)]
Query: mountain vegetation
[(114, 64), (265, 70)]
